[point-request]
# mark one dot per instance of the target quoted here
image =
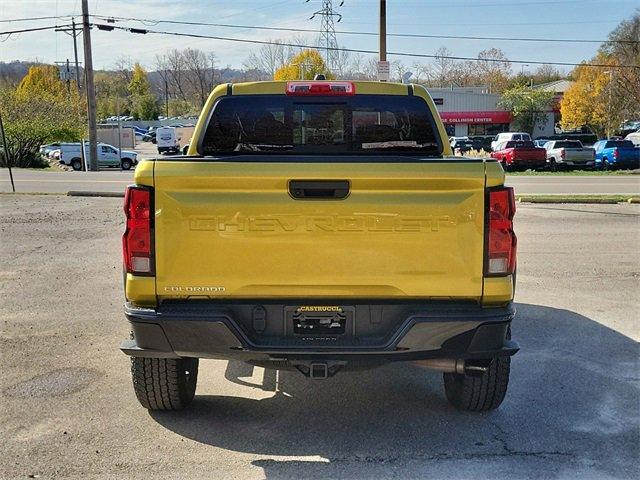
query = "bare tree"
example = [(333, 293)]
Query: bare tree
[(443, 67)]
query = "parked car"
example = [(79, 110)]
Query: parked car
[(520, 155), (108, 156), (274, 250), (149, 137), (541, 142), (167, 140), (611, 154), (46, 149), (460, 147), (634, 138), (570, 153), (453, 140), (484, 141), (628, 127), (508, 136)]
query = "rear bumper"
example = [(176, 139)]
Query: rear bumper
[(422, 331)]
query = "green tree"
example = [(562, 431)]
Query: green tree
[(303, 66), (31, 120), (144, 105), (528, 106)]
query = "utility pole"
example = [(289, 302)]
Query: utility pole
[(383, 64), (90, 87), (383, 30), (74, 32), (68, 76), (7, 157), (75, 53)]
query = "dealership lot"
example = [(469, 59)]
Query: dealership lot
[(29, 181), (68, 407)]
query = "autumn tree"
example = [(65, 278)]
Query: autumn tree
[(588, 99), (303, 66), (528, 106), (38, 111), (143, 102), (42, 81), (603, 97)]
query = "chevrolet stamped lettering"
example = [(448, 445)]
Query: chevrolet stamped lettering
[(322, 223), (320, 226)]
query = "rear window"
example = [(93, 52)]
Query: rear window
[(620, 144), (359, 124), (521, 136), (513, 144), (568, 144)]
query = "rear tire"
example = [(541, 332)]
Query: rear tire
[(484, 392), (164, 383), (479, 393)]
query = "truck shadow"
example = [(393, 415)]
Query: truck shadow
[(572, 404)]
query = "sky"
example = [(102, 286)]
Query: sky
[(569, 19)]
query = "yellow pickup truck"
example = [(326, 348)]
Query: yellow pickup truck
[(320, 226)]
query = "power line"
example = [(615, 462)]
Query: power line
[(148, 21), (355, 50), (35, 29), (29, 19)]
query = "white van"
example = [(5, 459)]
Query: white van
[(167, 140), (107, 156), (509, 136)]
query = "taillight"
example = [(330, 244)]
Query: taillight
[(137, 247), (320, 88), (615, 153), (562, 153), (501, 240)]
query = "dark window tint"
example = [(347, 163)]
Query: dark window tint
[(359, 124), (620, 144), (513, 144)]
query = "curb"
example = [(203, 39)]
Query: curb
[(584, 199), (80, 193)]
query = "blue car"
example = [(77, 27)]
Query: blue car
[(616, 154)]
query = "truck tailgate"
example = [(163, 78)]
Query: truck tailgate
[(231, 229), (579, 155)]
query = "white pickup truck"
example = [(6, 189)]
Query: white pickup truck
[(108, 156), (569, 152)]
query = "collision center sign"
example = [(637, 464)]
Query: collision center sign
[(476, 117)]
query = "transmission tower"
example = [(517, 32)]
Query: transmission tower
[(327, 39)]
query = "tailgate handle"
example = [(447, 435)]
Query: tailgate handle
[(319, 189)]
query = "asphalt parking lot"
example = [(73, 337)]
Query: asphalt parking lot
[(67, 408)]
